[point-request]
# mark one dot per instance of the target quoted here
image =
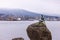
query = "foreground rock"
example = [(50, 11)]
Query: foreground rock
[(38, 31), (17, 39)]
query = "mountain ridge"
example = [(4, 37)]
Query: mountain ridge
[(19, 12)]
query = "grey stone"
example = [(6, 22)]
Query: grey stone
[(17, 39)]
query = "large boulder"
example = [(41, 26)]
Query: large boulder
[(38, 31)]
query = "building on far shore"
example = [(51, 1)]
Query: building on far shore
[(18, 19)]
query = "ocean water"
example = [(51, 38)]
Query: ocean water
[(17, 29), (54, 27)]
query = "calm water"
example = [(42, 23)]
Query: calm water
[(10, 29)]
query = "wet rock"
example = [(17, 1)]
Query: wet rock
[(17, 39), (38, 31)]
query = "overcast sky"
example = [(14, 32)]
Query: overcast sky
[(39, 6)]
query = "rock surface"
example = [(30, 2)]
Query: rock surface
[(38, 31), (17, 39)]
